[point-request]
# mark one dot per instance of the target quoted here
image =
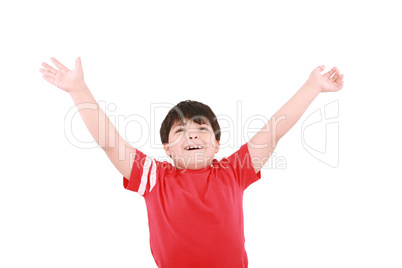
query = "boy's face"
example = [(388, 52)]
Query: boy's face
[(191, 146)]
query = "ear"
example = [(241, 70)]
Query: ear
[(167, 149), (218, 144)]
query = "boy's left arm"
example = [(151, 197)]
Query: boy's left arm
[(262, 144)]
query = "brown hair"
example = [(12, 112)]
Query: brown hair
[(193, 110)]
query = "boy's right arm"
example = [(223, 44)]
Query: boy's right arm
[(120, 152)]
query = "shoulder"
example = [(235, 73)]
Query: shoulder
[(240, 155)]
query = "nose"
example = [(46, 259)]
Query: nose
[(192, 135)]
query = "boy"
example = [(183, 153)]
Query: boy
[(195, 208)]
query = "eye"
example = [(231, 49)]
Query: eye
[(204, 128), (180, 130)]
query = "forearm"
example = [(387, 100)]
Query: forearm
[(98, 124), (288, 115), (284, 119)]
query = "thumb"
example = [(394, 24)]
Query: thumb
[(78, 64), (321, 68)]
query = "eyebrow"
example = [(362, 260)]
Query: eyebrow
[(180, 124)]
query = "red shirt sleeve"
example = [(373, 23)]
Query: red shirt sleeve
[(143, 174), (241, 163)]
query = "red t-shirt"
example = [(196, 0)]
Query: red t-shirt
[(195, 217)]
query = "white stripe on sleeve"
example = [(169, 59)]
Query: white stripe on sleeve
[(153, 174), (145, 172)]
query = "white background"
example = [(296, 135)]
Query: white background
[(62, 205)]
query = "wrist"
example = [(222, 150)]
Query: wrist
[(78, 89), (311, 86)]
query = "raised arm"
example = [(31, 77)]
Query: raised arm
[(262, 144), (101, 128)]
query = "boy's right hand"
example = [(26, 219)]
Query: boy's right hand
[(63, 78)]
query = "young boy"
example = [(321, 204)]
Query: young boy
[(195, 208)]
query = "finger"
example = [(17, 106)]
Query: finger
[(46, 72), (335, 76), (340, 80), (58, 64), (49, 68), (49, 79), (330, 73), (340, 85)]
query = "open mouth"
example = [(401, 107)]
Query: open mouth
[(193, 147)]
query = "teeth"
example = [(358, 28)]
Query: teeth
[(194, 147)]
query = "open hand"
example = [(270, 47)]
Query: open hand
[(63, 78), (331, 81)]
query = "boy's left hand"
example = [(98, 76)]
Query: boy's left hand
[(331, 81)]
